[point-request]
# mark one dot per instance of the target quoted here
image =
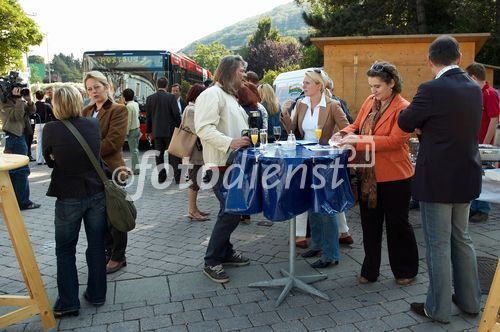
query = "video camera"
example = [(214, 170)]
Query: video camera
[(8, 83)]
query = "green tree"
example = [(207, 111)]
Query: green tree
[(36, 59), (270, 75), (17, 33), (264, 32), (209, 56), (69, 68)]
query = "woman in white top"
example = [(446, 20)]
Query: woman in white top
[(318, 111)]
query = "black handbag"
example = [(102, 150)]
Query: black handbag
[(120, 209)]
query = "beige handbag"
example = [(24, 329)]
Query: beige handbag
[(182, 142)]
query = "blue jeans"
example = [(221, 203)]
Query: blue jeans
[(325, 236), (68, 220), (480, 206), (19, 176), (449, 248)]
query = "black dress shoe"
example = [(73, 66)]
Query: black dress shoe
[(31, 206), (319, 264), (311, 253), (472, 314), (62, 313), (419, 309)]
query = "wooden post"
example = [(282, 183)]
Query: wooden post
[(36, 303), (490, 321)]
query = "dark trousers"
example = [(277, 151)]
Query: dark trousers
[(116, 244), (219, 247), (393, 200), (19, 176), (161, 144)]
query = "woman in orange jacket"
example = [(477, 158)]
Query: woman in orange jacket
[(383, 174)]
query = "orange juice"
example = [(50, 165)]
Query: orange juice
[(318, 133), (254, 138)]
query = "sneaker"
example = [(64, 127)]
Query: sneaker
[(216, 273), (237, 259)]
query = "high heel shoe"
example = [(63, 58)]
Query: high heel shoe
[(194, 217)]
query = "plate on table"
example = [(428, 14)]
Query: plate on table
[(492, 174)]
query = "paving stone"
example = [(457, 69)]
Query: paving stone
[(245, 309), (258, 329), (234, 323), (204, 326), (75, 322), (107, 317), (224, 300), (216, 313), (137, 313), (252, 296), (343, 328), (399, 320), (264, 318), (154, 323), (93, 328), (196, 304), (318, 322), (167, 308), (347, 304), (396, 307), (299, 300), (124, 326), (290, 326), (345, 317), (141, 289), (372, 311), (186, 317), (191, 283), (288, 314), (374, 325), (176, 328), (320, 309)]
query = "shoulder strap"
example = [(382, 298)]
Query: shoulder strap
[(86, 148)]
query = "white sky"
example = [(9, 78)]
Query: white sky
[(76, 26)]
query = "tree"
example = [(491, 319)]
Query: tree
[(36, 59), (273, 55), (270, 75), (209, 56), (69, 68), (17, 33), (264, 32)]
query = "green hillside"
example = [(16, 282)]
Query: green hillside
[(287, 18)]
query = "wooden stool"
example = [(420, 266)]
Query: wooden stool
[(490, 321), (36, 303)]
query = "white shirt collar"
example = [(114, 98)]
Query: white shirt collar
[(445, 69), (322, 102)]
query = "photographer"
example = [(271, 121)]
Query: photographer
[(14, 114)]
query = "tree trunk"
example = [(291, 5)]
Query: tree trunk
[(421, 21)]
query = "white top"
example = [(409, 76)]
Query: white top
[(445, 69), (218, 119), (310, 122)]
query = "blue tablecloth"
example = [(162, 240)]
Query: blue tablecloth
[(283, 184)]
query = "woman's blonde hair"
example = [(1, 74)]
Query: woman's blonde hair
[(317, 76), (98, 76), (267, 95), (67, 102)]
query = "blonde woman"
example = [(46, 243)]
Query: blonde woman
[(317, 110), (270, 102), (113, 119), (80, 195)]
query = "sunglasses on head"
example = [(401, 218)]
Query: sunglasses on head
[(378, 67)]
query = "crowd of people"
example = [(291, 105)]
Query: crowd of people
[(445, 114)]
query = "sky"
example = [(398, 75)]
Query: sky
[(71, 26)]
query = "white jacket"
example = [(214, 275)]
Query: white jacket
[(218, 118)]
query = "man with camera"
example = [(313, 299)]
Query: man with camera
[(15, 108)]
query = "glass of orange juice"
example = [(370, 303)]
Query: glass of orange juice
[(254, 136), (318, 133)]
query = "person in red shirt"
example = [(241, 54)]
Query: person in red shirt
[(480, 210)]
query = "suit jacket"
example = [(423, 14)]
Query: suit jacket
[(113, 119), (183, 105), (331, 118), (162, 114), (73, 174), (392, 156), (448, 111)]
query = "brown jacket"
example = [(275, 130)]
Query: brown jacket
[(113, 119), (331, 119)]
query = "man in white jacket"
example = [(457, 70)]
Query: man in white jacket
[(219, 120)]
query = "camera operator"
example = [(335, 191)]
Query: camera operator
[(14, 113)]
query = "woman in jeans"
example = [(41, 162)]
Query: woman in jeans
[(80, 195)]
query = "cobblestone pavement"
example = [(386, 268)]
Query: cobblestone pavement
[(162, 287)]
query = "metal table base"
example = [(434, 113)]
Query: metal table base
[(290, 280)]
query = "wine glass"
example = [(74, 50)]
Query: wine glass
[(277, 133), (318, 131), (254, 135)]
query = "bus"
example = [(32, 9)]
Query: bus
[(139, 70)]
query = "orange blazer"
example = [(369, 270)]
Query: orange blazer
[(113, 119), (392, 156)]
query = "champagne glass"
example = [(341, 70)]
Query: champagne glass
[(263, 138), (277, 133), (254, 135), (318, 133)]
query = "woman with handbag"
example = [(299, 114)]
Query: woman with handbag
[(383, 188), (113, 119), (196, 158), (80, 195)]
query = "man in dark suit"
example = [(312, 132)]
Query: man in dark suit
[(447, 113), (176, 91), (162, 116)]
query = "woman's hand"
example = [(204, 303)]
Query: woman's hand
[(349, 139)]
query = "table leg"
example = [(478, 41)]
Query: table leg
[(290, 280)]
